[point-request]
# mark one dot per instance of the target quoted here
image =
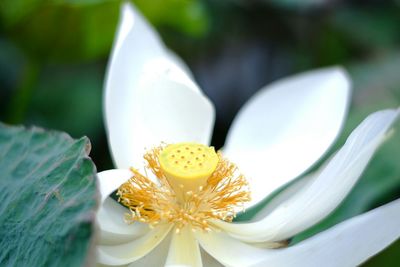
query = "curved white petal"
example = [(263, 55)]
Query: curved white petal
[(231, 252), (284, 195), (208, 260), (184, 250), (287, 127), (347, 244), (324, 192), (149, 97), (156, 257), (287, 192), (110, 180), (132, 251), (110, 217), (137, 39), (113, 228)]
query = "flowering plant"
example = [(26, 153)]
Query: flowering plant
[(181, 203)]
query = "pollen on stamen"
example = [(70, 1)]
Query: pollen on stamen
[(220, 197)]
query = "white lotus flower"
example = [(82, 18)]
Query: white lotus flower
[(283, 130)]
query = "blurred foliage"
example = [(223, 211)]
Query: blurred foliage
[(71, 30), (49, 194), (53, 55), (187, 16), (61, 30), (370, 27), (299, 4)]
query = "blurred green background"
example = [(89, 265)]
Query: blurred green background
[(53, 55)]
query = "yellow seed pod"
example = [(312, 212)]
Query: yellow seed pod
[(188, 165)]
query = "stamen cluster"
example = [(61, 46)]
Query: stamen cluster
[(223, 195)]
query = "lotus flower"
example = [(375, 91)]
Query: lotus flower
[(181, 215)]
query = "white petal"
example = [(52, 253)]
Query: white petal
[(326, 191), (286, 127), (209, 261), (284, 195), (135, 45), (110, 217), (132, 251), (137, 39), (347, 244), (110, 180), (229, 251), (184, 250), (139, 63), (113, 229), (156, 258)]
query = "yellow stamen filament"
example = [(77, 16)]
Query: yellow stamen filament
[(221, 196)]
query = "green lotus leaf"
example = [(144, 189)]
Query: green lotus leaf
[(48, 198)]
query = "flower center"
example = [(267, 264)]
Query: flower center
[(187, 166), (194, 185)]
